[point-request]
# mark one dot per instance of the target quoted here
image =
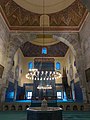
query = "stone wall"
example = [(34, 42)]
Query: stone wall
[(85, 44), (4, 37)]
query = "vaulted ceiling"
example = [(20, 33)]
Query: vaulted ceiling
[(31, 50), (68, 18)]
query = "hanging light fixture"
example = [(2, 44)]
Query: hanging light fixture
[(35, 74)]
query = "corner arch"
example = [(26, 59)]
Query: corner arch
[(62, 39), (72, 40)]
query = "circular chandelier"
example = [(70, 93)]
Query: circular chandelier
[(35, 74)]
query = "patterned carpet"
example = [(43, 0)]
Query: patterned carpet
[(66, 115)]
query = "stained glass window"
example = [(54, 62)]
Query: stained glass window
[(44, 50), (58, 66), (30, 65)]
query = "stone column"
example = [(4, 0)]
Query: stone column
[(3, 93), (84, 94), (15, 91), (81, 73), (6, 73)]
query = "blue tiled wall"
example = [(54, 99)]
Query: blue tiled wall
[(10, 92)]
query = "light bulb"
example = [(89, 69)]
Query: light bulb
[(50, 79), (54, 72), (50, 72), (42, 72)]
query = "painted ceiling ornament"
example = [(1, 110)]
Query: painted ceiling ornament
[(19, 18)]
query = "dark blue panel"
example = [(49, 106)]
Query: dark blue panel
[(10, 92), (20, 93), (78, 92), (44, 66)]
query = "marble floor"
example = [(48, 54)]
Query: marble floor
[(66, 115)]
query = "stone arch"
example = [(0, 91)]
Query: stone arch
[(65, 40), (15, 41), (73, 41)]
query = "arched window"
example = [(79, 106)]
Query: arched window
[(44, 50), (58, 66), (30, 65)]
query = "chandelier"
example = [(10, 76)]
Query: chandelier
[(44, 87), (42, 75), (35, 74)]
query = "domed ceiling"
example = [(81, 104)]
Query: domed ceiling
[(25, 15), (46, 41), (50, 6)]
